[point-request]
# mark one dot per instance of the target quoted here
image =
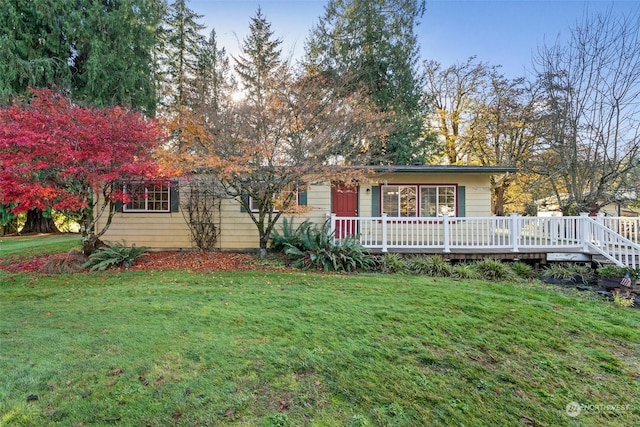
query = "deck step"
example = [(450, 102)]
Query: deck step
[(569, 257)]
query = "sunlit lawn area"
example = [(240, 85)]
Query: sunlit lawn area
[(23, 247), (275, 349)]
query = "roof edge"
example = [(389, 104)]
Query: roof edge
[(439, 168)]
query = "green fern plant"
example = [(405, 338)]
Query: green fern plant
[(114, 255), (316, 249), (288, 234)]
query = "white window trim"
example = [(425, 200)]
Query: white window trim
[(438, 187), (400, 186), (419, 188), (166, 186)]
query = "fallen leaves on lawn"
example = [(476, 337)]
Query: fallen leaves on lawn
[(283, 405), (33, 265), (161, 260), (115, 372), (195, 261)]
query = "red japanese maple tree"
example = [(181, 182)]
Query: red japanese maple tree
[(54, 154)]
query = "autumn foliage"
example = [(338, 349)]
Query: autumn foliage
[(54, 154)]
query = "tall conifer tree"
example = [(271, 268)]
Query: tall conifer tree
[(214, 83), (184, 41), (373, 42), (98, 52), (258, 64)]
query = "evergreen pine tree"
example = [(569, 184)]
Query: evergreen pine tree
[(214, 83), (374, 44), (95, 51), (258, 64), (184, 40)]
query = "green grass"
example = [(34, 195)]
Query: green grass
[(25, 247), (277, 349)]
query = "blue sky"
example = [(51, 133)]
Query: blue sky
[(499, 32)]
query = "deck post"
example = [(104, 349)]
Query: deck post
[(584, 231), (332, 226), (601, 236), (514, 232), (554, 230), (384, 232), (445, 232), (494, 229)]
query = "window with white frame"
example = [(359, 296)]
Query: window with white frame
[(399, 200), (437, 200), (414, 200), (147, 198), (288, 196)]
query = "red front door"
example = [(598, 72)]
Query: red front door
[(345, 204)]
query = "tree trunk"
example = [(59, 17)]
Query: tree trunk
[(10, 228), (498, 200), (452, 150), (264, 239), (89, 244), (37, 223)]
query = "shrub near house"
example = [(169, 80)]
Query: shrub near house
[(611, 277)]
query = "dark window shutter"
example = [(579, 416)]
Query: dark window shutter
[(302, 198), (245, 200), (462, 201), (174, 196), (119, 185), (375, 200)]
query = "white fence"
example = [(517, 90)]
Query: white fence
[(614, 237)]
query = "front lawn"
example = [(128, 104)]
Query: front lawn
[(279, 348), (17, 248)]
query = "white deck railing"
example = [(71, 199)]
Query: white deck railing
[(615, 238), (612, 245), (625, 226)]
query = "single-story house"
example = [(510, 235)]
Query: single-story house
[(157, 221)]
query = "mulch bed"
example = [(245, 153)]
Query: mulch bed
[(195, 261), (163, 260)]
